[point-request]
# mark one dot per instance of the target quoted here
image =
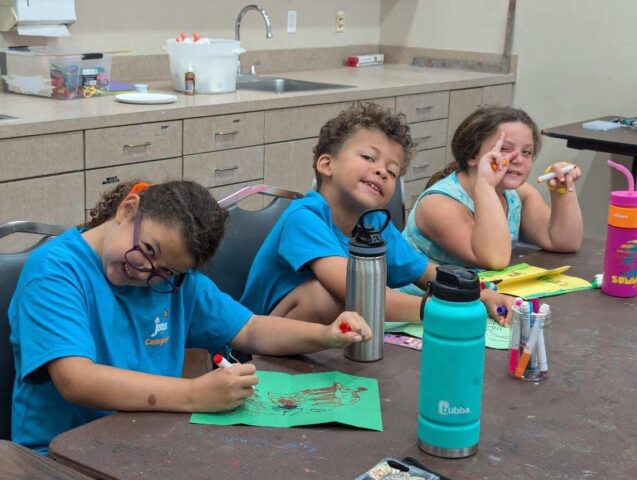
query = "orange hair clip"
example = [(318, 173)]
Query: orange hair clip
[(139, 187)]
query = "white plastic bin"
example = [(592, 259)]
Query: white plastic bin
[(213, 61)]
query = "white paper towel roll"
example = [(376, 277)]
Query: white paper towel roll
[(43, 30)]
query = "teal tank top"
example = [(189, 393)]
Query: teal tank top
[(451, 187)]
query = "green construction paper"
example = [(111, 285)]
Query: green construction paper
[(286, 400), (410, 328), (496, 336)]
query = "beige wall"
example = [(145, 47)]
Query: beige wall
[(143, 26), (576, 61), (577, 58)]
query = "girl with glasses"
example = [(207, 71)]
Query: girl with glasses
[(102, 314)]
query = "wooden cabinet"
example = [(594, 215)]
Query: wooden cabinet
[(223, 132), (100, 180), (464, 102), (56, 199), (38, 155), (132, 144), (55, 178), (216, 169), (434, 117)]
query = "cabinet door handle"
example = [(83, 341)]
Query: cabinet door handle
[(222, 135), (422, 139), (424, 109), (224, 170), (138, 145), (420, 167)]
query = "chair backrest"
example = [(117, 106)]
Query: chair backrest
[(396, 205), (245, 233), (10, 268)]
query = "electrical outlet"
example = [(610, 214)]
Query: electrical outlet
[(291, 21), (340, 21)]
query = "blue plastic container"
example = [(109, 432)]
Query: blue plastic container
[(452, 365)]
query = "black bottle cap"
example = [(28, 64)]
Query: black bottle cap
[(366, 240), (456, 284)]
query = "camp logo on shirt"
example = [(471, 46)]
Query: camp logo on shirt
[(160, 332)]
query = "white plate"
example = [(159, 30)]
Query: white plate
[(145, 98)]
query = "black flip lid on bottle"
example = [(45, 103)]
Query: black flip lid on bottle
[(456, 284)]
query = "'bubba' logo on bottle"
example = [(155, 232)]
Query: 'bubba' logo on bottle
[(445, 409)]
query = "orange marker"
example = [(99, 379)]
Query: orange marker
[(528, 350)]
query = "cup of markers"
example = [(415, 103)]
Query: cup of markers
[(530, 327)]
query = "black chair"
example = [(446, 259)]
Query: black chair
[(396, 205), (10, 268), (245, 233)]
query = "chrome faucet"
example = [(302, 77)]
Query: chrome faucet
[(237, 26)]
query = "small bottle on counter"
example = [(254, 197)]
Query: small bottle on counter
[(190, 83)]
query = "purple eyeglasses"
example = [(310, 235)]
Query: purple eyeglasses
[(139, 260)]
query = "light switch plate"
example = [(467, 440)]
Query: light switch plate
[(291, 21)]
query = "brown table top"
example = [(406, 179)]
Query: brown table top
[(18, 462), (622, 141), (579, 423)]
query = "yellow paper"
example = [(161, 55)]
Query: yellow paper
[(526, 281)]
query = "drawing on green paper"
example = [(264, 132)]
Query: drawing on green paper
[(284, 400), (310, 400)]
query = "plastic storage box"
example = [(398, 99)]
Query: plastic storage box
[(53, 73)]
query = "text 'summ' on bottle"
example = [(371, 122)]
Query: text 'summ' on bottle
[(366, 283), (620, 257), (452, 365)]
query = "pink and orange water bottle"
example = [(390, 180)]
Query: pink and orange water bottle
[(620, 259)]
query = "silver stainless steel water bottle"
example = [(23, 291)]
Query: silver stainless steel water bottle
[(366, 283)]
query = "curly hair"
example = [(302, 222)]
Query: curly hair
[(475, 129), (180, 203), (371, 116)]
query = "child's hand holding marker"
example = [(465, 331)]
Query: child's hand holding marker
[(348, 328), (235, 382), (494, 164), (498, 305), (560, 176)]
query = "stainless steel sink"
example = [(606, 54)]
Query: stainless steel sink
[(283, 85)]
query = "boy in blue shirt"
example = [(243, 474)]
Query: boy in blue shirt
[(300, 270), (101, 316)]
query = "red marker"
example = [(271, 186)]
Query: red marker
[(345, 327), (221, 362)]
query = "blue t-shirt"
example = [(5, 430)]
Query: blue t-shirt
[(304, 232), (64, 306)]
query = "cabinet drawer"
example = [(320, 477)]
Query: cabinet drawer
[(58, 199), (289, 165), (429, 134), (102, 179), (412, 190), (425, 163), (223, 168), (38, 155), (387, 102), (221, 132), (423, 106), (301, 122), (254, 202), (132, 143)]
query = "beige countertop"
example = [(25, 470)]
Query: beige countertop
[(39, 115)]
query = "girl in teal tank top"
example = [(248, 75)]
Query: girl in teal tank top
[(473, 212)]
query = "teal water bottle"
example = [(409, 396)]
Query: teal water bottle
[(452, 365)]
